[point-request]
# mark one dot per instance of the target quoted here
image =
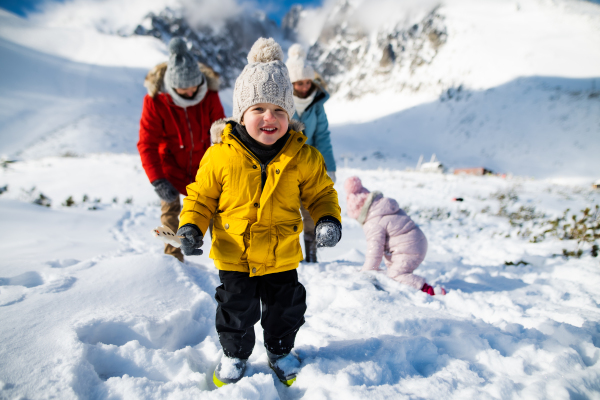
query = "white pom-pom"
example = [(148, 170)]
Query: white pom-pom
[(177, 46), (264, 51), (296, 51)]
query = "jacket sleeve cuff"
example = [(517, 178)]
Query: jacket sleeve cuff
[(329, 218), (157, 182), (194, 227)]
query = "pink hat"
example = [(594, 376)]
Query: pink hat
[(355, 197)]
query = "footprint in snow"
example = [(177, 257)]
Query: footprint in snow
[(65, 263), (123, 346), (14, 289), (28, 279)]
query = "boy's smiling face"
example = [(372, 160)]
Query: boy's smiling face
[(265, 122)]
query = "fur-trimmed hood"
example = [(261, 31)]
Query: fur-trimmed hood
[(155, 78), (217, 128)]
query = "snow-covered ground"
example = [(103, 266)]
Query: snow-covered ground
[(90, 308)]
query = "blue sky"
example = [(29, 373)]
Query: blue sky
[(276, 9), (281, 7)]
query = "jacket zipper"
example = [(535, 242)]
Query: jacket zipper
[(263, 176), (263, 167), (192, 147)]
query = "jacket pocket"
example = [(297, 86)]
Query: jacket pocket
[(288, 248), (228, 239)]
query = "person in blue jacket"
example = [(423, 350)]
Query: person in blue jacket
[(309, 97)]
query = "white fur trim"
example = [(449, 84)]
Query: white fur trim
[(297, 126), (364, 211), (216, 130)]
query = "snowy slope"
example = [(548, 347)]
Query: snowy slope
[(90, 308), (71, 91), (54, 106), (514, 88), (79, 42), (537, 126), (429, 47)]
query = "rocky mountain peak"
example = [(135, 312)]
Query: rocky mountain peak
[(224, 49), (352, 59)]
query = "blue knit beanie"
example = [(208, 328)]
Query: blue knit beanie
[(182, 70)]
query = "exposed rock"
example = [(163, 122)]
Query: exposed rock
[(351, 60), (354, 63), (225, 50)]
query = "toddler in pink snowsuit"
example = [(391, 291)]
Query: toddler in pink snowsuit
[(391, 234)]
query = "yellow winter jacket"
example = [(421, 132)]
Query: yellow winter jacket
[(257, 231)]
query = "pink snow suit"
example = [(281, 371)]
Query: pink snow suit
[(391, 234)]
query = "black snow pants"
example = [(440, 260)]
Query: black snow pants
[(239, 299)]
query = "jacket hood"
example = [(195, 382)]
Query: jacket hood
[(322, 94), (382, 206), (321, 97), (156, 76), (321, 87), (217, 128)]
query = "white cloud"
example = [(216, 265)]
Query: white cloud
[(124, 16), (313, 20), (370, 15), (210, 12), (375, 14)]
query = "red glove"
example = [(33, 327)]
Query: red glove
[(427, 289)]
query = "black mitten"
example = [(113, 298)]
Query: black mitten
[(165, 190), (191, 240)]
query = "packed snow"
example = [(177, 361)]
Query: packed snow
[(90, 307)]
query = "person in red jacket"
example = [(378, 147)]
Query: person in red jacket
[(181, 105)]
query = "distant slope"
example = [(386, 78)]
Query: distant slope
[(52, 106), (372, 46), (536, 126), (515, 88)]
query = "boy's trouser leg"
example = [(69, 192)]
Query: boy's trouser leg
[(238, 310), (170, 218), (283, 307), (239, 300)]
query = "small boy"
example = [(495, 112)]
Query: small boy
[(252, 180)]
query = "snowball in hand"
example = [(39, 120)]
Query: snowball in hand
[(327, 234)]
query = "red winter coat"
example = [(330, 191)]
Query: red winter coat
[(173, 139)]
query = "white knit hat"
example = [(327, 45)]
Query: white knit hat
[(264, 80), (297, 65)]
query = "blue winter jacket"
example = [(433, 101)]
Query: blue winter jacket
[(317, 127)]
